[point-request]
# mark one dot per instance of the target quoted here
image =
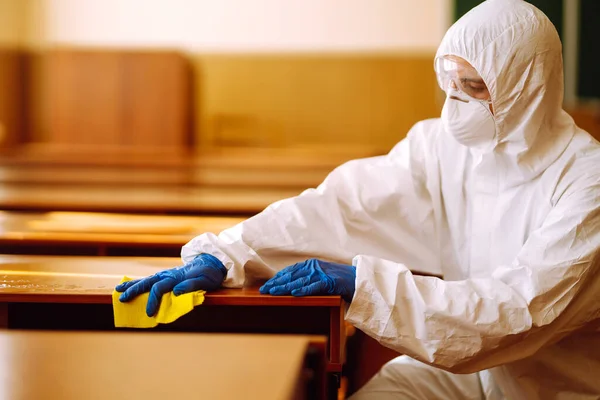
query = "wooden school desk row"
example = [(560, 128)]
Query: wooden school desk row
[(89, 280), (155, 189), (74, 293), (75, 233), (223, 181)]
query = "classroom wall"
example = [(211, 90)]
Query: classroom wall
[(12, 21), (273, 73), (241, 25), (12, 18)]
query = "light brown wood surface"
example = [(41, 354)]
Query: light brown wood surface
[(92, 279), (112, 98), (71, 279), (85, 365), (12, 96)]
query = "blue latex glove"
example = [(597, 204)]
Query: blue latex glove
[(313, 277), (205, 272)]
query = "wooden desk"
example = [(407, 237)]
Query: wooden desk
[(310, 157), (219, 167), (96, 365), (75, 293), (80, 233), (140, 199), (250, 177)]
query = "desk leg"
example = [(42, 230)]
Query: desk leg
[(316, 379), (337, 340), (3, 315), (337, 337)]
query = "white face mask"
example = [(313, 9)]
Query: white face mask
[(472, 124)]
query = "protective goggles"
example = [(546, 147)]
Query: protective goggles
[(463, 78)]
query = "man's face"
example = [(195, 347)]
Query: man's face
[(456, 73), (467, 79)]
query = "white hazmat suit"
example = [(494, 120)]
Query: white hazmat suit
[(512, 228)]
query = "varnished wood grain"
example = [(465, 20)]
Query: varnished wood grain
[(92, 279), (115, 98)]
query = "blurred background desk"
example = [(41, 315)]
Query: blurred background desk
[(95, 365), (147, 199), (224, 185), (81, 233), (249, 169)]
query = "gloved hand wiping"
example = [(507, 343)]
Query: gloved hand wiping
[(205, 272), (313, 277)]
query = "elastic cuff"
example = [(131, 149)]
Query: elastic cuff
[(213, 262)]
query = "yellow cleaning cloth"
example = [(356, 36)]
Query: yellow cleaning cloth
[(133, 313)]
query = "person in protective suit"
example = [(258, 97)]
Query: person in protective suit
[(500, 195)]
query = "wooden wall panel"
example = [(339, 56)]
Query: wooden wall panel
[(587, 118), (12, 96), (84, 105), (296, 100), (323, 102), (112, 100), (156, 100)]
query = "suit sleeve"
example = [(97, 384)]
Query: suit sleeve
[(376, 206), (549, 290)]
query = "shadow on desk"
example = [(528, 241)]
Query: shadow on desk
[(247, 319), (365, 357)]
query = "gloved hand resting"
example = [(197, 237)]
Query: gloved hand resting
[(205, 272), (313, 277)]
